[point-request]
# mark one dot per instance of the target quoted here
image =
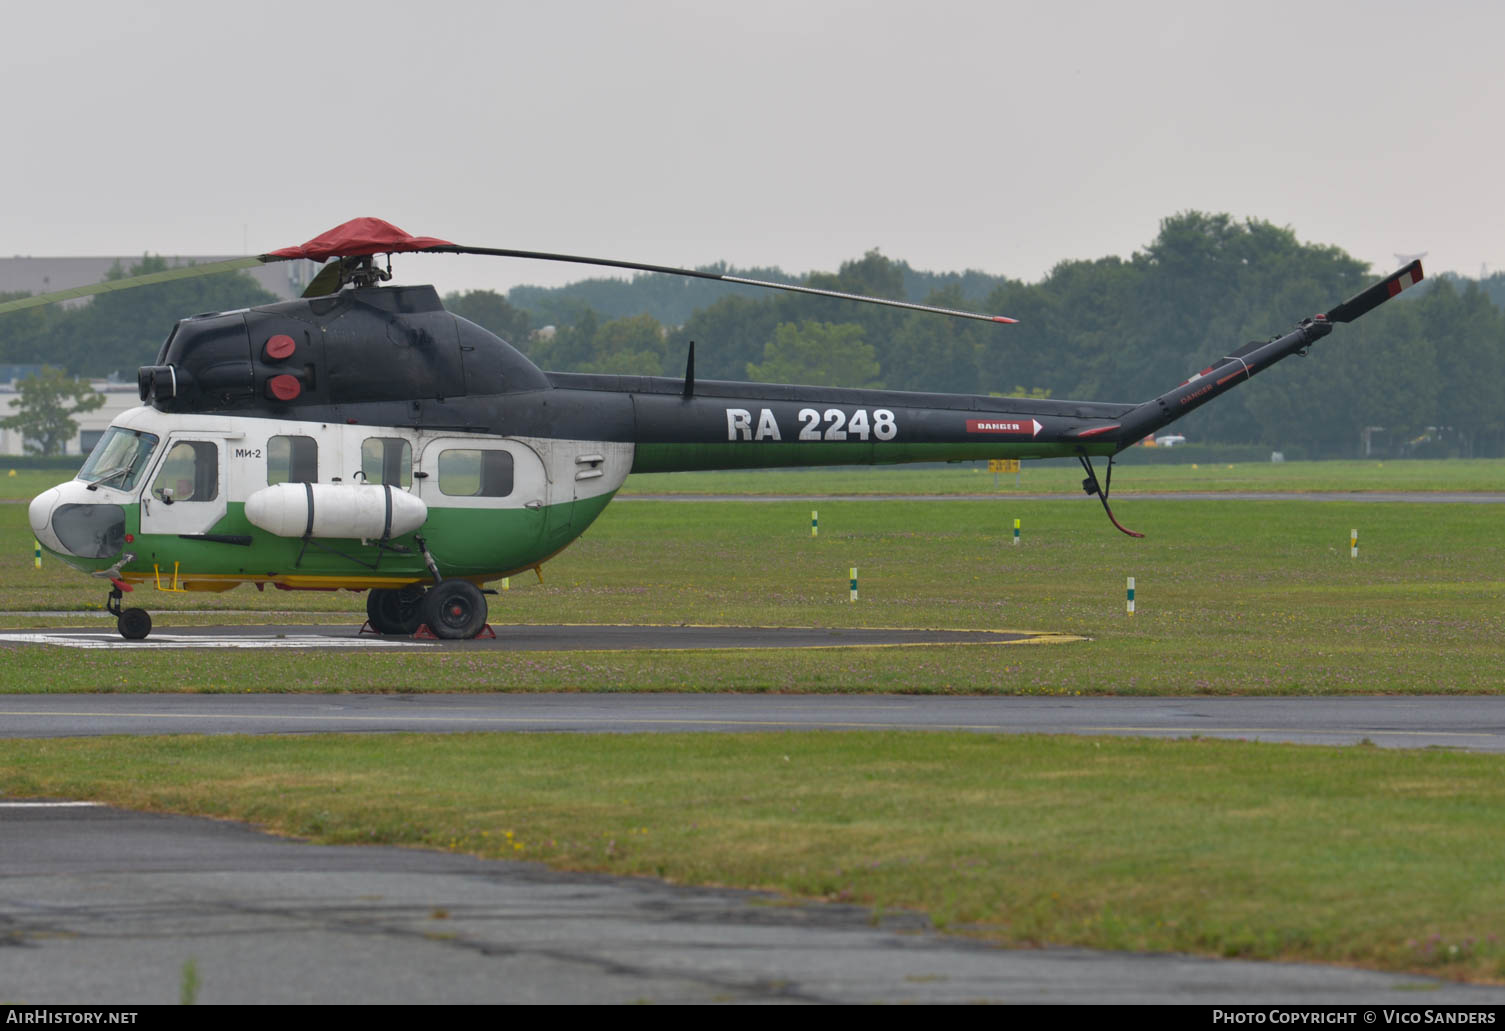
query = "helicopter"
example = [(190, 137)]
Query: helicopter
[(362, 437)]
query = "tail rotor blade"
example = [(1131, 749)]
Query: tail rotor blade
[(1377, 294)]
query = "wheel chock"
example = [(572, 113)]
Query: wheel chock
[(423, 633)]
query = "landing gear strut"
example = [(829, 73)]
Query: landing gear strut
[(133, 624)]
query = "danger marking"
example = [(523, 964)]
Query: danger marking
[(1032, 427)]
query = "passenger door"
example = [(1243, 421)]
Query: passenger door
[(488, 500)]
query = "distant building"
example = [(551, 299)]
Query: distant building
[(15, 372), (286, 279)]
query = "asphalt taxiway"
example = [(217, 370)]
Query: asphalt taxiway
[(1474, 723), (103, 906), (100, 905)]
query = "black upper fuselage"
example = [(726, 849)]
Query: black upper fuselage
[(393, 356)]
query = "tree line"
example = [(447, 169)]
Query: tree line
[(1424, 375), (115, 333)]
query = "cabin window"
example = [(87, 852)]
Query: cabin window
[(470, 473), (292, 460), (387, 460), (190, 472)]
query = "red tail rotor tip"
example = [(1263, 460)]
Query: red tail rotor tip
[(1005, 319)]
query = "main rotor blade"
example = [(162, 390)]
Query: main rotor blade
[(130, 282), (1377, 294), (700, 274), (369, 236), (327, 281)]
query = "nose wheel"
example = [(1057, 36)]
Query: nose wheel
[(133, 624)]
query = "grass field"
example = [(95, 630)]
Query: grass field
[(1065, 478), (1247, 596), (1365, 856)]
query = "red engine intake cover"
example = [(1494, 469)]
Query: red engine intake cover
[(284, 387), (279, 347)]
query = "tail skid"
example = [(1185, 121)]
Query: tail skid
[(1091, 486)]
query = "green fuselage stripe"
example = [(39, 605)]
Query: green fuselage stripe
[(747, 454), (479, 543)]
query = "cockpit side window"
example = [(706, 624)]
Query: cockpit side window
[(190, 472), (119, 458)]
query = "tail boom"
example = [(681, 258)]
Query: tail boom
[(1233, 369)]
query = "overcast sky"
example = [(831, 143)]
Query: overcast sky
[(949, 133)]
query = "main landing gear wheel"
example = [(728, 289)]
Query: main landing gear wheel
[(395, 611), (134, 624), (454, 610)]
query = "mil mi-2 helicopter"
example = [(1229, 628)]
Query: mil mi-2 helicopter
[(364, 438)]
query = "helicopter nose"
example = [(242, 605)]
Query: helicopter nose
[(40, 515), (88, 530)]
